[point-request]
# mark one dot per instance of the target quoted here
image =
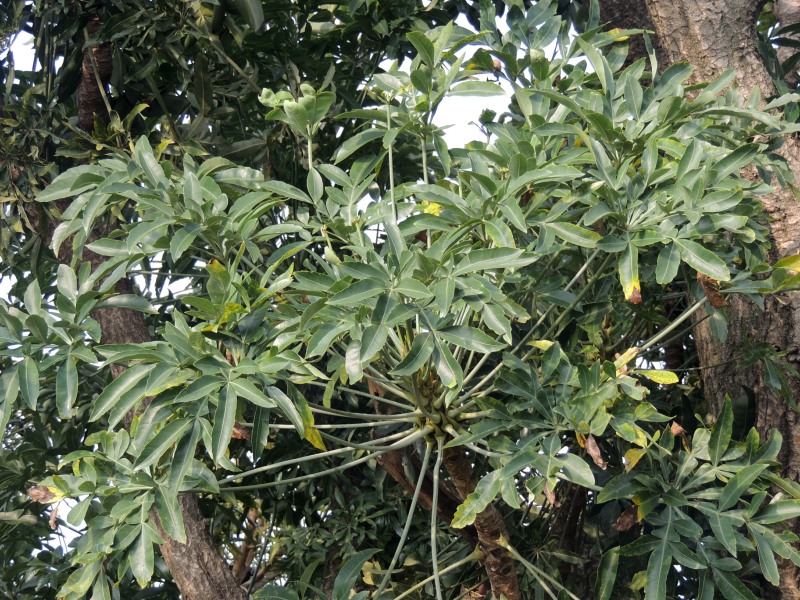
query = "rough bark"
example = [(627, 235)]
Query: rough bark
[(196, 566), (447, 502), (489, 524), (714, 35)]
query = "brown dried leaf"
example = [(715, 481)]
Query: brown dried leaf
[(240, 432), (677, 429), (54, 517), (375, 388), (594, 451), (550, 495), (41, 494), (626, 520), (636, 296), (711, 289)]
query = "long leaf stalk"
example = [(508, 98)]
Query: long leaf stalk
[(356, 393), (533, 328), (672, 326), (475, 555), (347, 425), (343, 467), (537, 573), (357, 445), (434, 518), (407, 527), (494, 372), (391, 166), (297, 461)]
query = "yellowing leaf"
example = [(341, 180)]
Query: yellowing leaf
[(790, 263), (616, 32), (633, 456), (625, 358), (541, 344), (662, 377), (313, 436)]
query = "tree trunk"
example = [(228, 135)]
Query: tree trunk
[(499, 564), (714, 35), (196, 566)]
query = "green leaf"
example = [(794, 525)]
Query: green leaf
[(252, 12), (703, 260), (447, 367), (783, 510), (621, 486), (424, 48), (67, 388), (182, 459), (145, 158), (355, 294), (657, 570), (738, 484), (161, 442), (569, 232), (141, 557), (246, 389), (730, 586), (123, 390), (478, 500), (275, 592), (372, 341), (629, 274), (499, 233), (129, 301), (577, 471), (419, 353), (606, 574), (224, 419), (766, 558), (349, 573), (669, 259), (492, 259), (686, 557), (354, 143), (169, 513), (470, 338), (476, 88), (721, 433), (411, 288), (284, 190), (28, 374), (289, 410)]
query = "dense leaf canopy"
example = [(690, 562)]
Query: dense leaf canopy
[(384, 365)]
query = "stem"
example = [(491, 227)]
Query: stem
[(423, 147), (537, 573), (346, 425), (358, 446), (434, 508), (407, 442), (391, 167), (475, 555), (407, 526), (531, 331), (672, 326), (296, 461), (310, 150)]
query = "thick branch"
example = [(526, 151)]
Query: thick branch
[(489, 524), (197, 568)]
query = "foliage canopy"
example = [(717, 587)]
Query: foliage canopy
[(492, 319)]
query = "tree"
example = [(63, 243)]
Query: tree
[(739, 36), (260, 340)]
